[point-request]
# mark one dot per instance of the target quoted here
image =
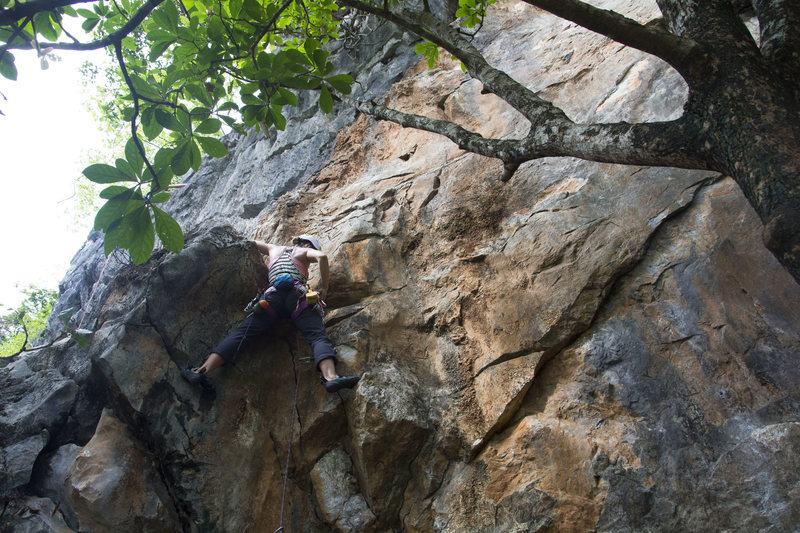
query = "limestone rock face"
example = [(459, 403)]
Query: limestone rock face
[(587, 347), (113, 486)]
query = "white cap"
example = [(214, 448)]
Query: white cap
[(313, 240)]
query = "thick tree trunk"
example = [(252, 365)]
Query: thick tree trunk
[(754, 137), (748, 113)]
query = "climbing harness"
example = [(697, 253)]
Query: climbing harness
[(291, 438), (305, 298)]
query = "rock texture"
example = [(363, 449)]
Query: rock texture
[(588, 347)]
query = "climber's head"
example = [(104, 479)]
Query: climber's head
[(309, 240)]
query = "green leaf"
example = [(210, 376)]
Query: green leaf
[(214, 147), (160, 198), (291, 98), (158, 48), (199, 92), (320, 57), (187, 35), (200, 113), (150, 125), (197, 155), (184, 120), (278, 118), (163, 158), (144, 88), (167, 16), (325, 100), (182, 158), (168, 121), (7, 67), (125, 167), (111, 211), (168, 231), (102, 173), (216, 30), (235, 7), (264, 61), (251, 99), (209, 125), (134, 157), (114, 190), (130, 43), (119, 233), (143, 238), (293, 56), (81, 340), (341, 82), (299, 82), (67, 314), (89, 24), (44, 26), (310, 45), (254, 9), (108, 245)]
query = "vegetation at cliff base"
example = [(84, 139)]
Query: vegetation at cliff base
[(22, 325)]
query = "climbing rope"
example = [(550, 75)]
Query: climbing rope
[(291, 437)]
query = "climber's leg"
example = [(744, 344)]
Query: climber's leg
[(310, 324), (213, 361)]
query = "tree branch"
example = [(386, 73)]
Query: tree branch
[(779, 26), (28, 9), (664, 144), (670, 144), (135, 95), (25, 330), (109, 40), (671, 48), (465, 139), (428, 26), (268, 26)]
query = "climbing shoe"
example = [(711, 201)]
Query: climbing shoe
[(196, 378), (343, 382)]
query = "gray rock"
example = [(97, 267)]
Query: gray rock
[(113, 484), (336, 492), (50, 479), (32, 406), (388, 426), (34, 515)]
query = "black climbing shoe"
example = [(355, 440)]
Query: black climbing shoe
[(196, 378), (343, 382)]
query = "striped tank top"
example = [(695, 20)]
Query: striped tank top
[(286, 264)]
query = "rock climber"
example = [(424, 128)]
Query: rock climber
[(284, 299)]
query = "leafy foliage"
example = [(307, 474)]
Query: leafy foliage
[(188, 69), (472, 11), (27, 321), (185, 71)]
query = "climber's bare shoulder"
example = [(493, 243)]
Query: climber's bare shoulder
[(272, 250), (309, 255)]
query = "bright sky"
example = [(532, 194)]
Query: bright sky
[(44, 137)]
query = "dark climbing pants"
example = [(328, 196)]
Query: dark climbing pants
[(309, 322)]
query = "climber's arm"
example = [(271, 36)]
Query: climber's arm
[(321, 258)]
